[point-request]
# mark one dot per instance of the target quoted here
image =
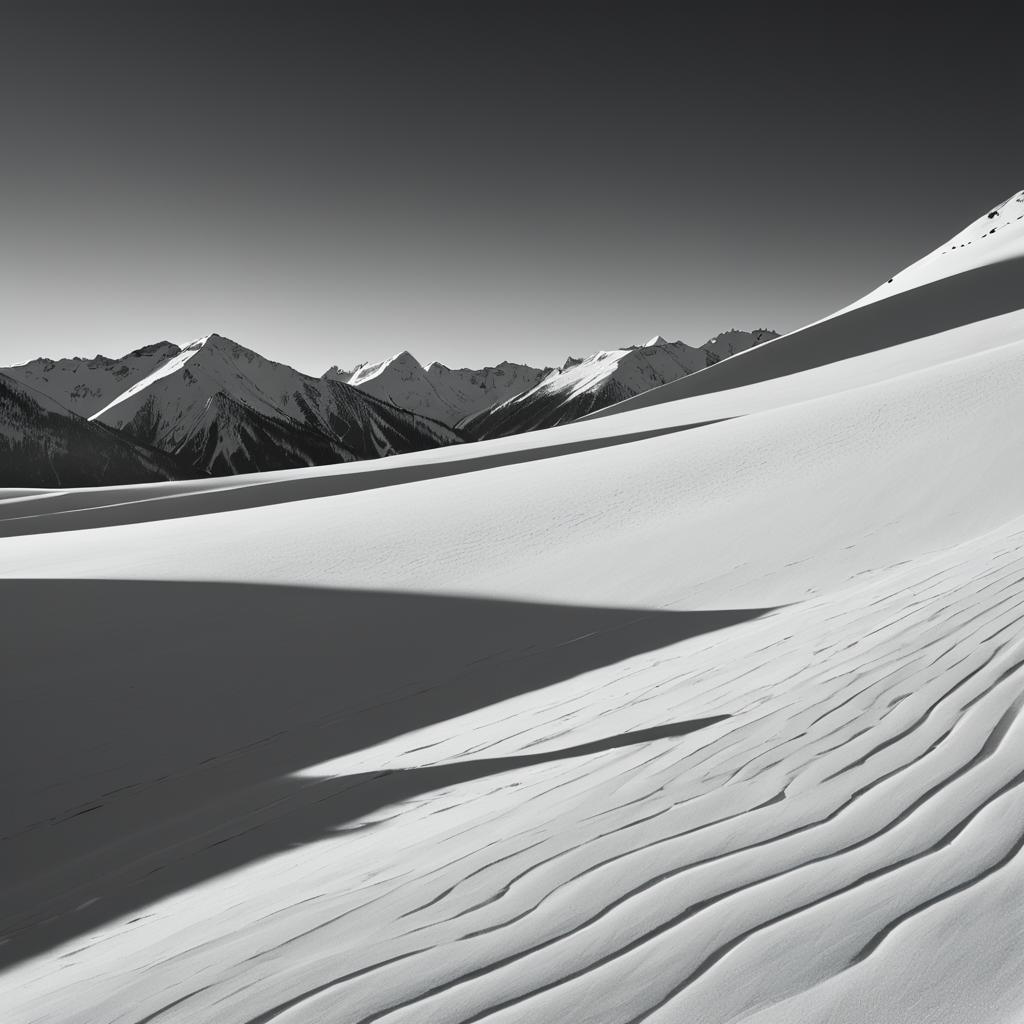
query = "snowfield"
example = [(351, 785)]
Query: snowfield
[(707, 708)]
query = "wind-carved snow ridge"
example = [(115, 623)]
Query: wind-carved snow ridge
[(827, 828), (850, 794)]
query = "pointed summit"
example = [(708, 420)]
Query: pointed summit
[(437, 391), (227, 409), (405, 358), (218, 342), (403, 365)]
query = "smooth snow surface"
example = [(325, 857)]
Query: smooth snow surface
[(710, 710)]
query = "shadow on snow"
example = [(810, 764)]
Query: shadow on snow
[(151, 730)]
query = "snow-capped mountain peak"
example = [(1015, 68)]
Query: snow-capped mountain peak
[(229, 409), (403, 364), (438, 391)]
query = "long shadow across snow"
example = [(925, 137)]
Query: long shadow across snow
[(930, 309), (151, 731), (88, 508)]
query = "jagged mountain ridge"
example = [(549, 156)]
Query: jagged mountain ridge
[(228, 410), (84, 386), (583, 386), (435, 390), (45, 445), (216, 407)]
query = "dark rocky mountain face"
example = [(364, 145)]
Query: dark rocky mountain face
[(43, 445)]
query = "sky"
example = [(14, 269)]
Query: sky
[(333, 183)]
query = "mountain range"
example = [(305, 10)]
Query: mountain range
[(216, 408), (583, 386), (225, 409), (435, 390)]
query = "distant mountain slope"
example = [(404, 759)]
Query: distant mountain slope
[(44, 445), (995, 237), (228, 410), (975, 276), (86, 385), (586, 385), (437, 391)]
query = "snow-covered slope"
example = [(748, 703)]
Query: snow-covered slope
[(585, 385), (86, 385), (437, 391), (228, 410), (45, 445), (995, 237), (632, 720), (977, 275)]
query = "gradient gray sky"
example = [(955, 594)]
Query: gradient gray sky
[(333, 183)]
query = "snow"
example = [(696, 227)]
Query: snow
[(437, 391), (585, 385), (224, 408), (995, 237), (166, 369), (707, 710), (84, 386)]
